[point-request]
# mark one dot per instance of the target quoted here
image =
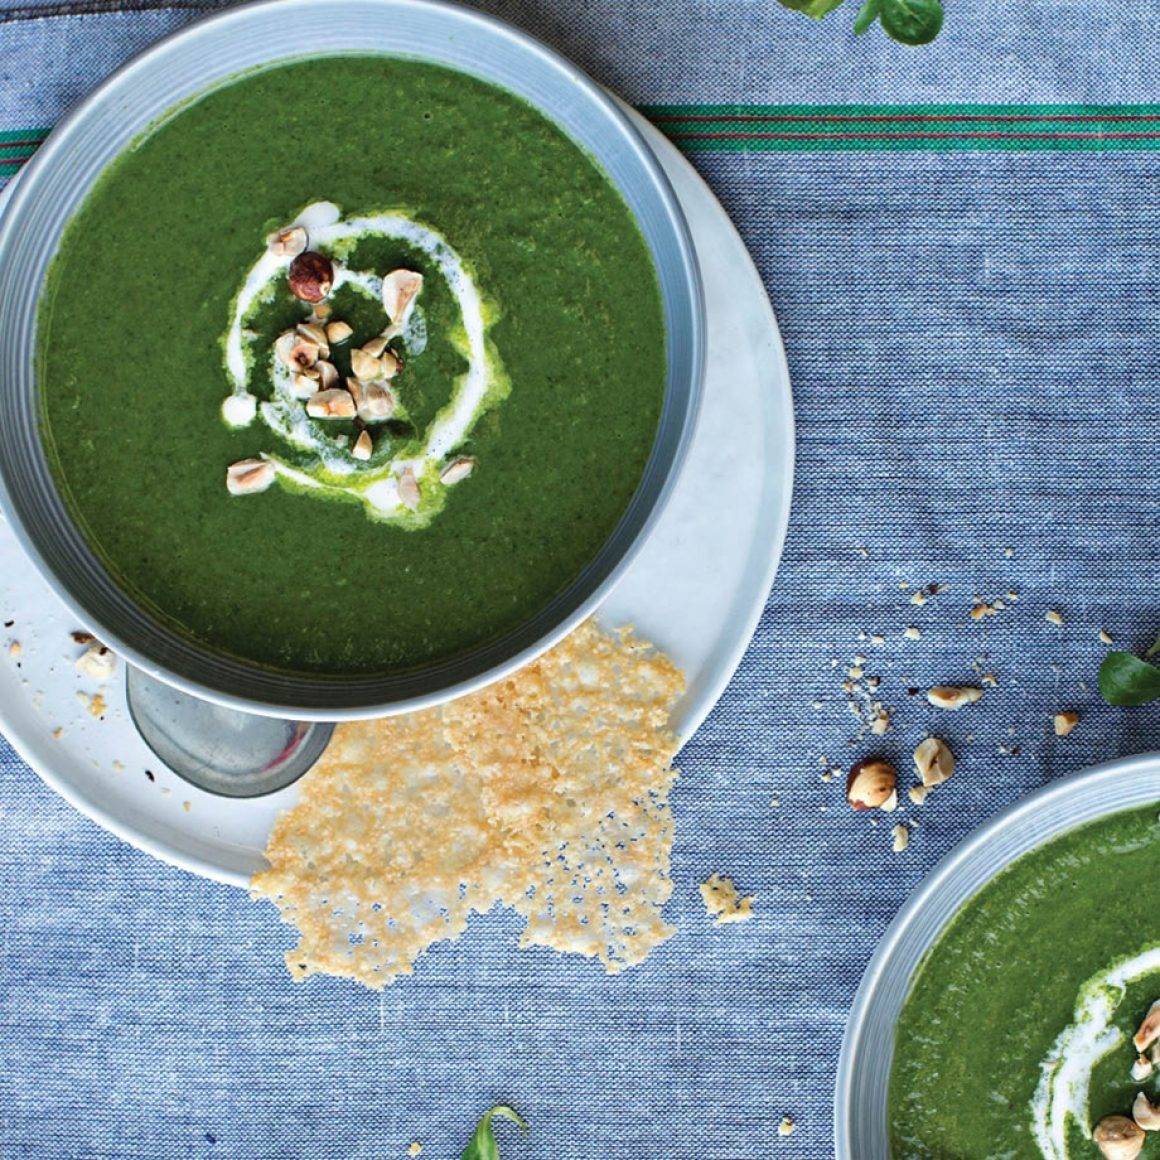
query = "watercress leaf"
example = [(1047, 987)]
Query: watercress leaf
[(911, 21), (482, 1145), (867, 14), (815, 8), (1127, 680)]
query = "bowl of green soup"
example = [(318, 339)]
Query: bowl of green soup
[(1011, 1007), (353, 347)]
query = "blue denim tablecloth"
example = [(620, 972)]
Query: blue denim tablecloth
[(972, 325)]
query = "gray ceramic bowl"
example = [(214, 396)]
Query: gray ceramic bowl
[(191, 62), (860, 1098)]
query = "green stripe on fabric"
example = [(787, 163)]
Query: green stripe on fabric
[(795, 128), (32, 136), (880, 128)]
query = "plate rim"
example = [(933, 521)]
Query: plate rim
[(936, 879)]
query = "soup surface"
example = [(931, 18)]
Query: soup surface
[(1016, 1038), (533, 359)]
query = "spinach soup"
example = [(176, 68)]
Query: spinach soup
[(1032, 1027), (350, 365)]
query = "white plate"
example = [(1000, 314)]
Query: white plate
[(861, 1095), (697, 589)]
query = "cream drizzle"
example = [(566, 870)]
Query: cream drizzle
[(1065, 1074), (336, 470)]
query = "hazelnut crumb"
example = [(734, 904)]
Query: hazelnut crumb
[(15, 648), (786, 1127), (918, 598), (1054, 617), (900, 838), (1105, 637), (187, 806), (877, 638), (1065, 722), (416, 1149), (953, 697), (918, 793), (912, 633)]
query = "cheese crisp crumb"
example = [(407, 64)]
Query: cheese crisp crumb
[(546, 792), (723, 902)]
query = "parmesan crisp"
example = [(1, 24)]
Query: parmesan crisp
[(546, 792)]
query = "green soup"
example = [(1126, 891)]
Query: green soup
[(1016, 1037), (133, 365)]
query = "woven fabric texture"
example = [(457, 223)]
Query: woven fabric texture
[(974, 342)]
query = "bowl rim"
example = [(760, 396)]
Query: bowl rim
[(942, 878), (689, 278)]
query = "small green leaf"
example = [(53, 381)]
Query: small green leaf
[(1127, 680), (482, 1145), (911, 21), (867, 14), (815, 8)]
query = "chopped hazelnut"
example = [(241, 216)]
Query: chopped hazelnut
[(934, 762), (953, 696), (1118, 1138), (1065, 722)]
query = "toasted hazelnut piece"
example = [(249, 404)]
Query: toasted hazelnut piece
[(391, 364), (1142, 1068), (408, 489), (870, 784), (918, 793), (79, 636), (364, 446), (97, 662), (304, 354), (953, 696), (899, 838), (320, 313), (365, 366), (288, 242), (786, 1127), (1106, 637), (373, 401), (457, 470), (317, 335), (338, 331), (880, 723), (1145, 1113), (934, 762), (327, 374), (376, 346), (1055, 618), (400, 289), (249, 476), (284, 346), (302, 385), (311, 276), (1065, 722), (1118, 1138), (1148, 1031), (331, 404)]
